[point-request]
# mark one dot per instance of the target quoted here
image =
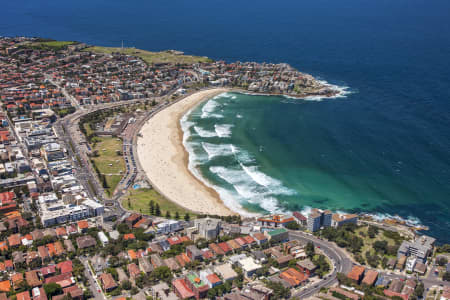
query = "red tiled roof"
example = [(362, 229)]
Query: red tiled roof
[(48, 270), (65, 266), (174, 240), (58, 278), (23, 296), (14, 240), (182, 288), (132, 254), (185, 238), (8, 263), (299, 216), (207, 254), (5, 286), (259, 236), (224, 246), (108, 281), (213, 278), (249, 239), (61, 231), (129, 236), (370, 277), (356, 273), (83, 224), (390, 293), (51, 249)]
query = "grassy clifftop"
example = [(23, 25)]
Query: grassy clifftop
[(51, 45), (152, 57)]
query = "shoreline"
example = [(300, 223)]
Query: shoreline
[(165, 160), (211, 202), (156, 169)]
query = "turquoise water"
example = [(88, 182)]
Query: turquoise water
[(276, 154)]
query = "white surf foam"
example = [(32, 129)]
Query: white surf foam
[(204, 133), (209, 108), (214, 150), (259, 177), (239, 116), (253, 186), (223, 130)]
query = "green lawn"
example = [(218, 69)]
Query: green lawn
[(368, 242), (52, 45), (152, 57), (108, 162), (88, 129), (139, 200)]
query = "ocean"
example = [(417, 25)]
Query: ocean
[(383, 149)]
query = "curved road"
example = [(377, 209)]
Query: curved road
[(340, 261)]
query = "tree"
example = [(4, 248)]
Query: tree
[(123, 228), (310, 249), (152, 207), (187, 217), (372, 231), (380, 246), (177, 215), (161, 273), (52, 289), (445, 248), (293, 226), (212, 293), (442, 261), (279, 291), (168, 214), (446, 276), (126, 285), (134, 290), (104, 182), (418, 292), (157, 210), (322, 265)]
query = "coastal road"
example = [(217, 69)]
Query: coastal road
[(341, 262)]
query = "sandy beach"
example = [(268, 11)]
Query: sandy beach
[(164, 159)]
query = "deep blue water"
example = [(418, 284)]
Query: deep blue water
[(393, 132)]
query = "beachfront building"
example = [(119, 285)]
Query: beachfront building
[(55, 211), (208, 228), (338, 220), (420, 248), (318, 218), (300, 218), (275, 221), (169, 226)]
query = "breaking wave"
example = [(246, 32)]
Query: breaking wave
[(223, 130), (209, 108), (204, 133)]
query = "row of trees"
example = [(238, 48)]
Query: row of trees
[(155, 210)]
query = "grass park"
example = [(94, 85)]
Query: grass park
[(139, 200), (108, 160), (52, 45), (152, 57)]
